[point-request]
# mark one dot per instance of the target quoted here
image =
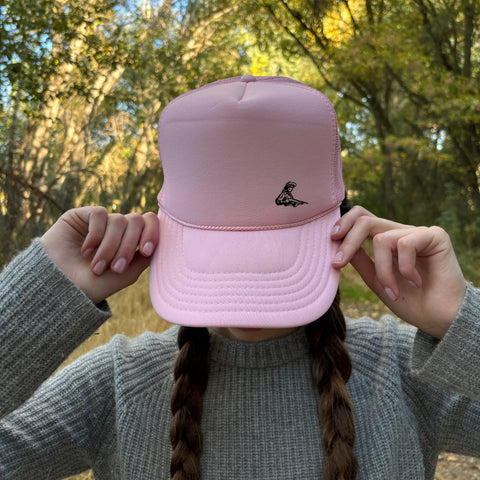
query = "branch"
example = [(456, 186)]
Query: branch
[(313, 59), (16, 179), (428, 25), (417, 99), (352, 18), (322, 43)]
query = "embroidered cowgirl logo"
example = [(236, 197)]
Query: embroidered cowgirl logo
[(286, 197)]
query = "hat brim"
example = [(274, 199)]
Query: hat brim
[(247, 279)]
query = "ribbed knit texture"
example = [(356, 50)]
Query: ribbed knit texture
[(43, 318), (110, 410)]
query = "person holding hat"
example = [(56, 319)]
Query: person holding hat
[(262, 376)]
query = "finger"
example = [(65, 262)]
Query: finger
[(96, 218), (366, 267), (353, 235), (111, 282), (384, 245), (346, 222), (407, 252), (396, 254), (149, 238), (112, 238), (129, 243), (420, 243)]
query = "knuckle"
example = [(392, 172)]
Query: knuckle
[(150, 216), (133, 215), (404, 243), (70, 211), (438, 231), (97, 216), (359, 210), (364, 221), (118, 219), (135, 219), (380, 239), (99, 210)]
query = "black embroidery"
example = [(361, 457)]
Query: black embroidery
[(286, 197)]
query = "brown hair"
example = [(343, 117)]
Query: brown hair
[(331, 368), (191, 377)]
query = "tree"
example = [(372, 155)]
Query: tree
[(404, 79), (83, 88), (58, 67)]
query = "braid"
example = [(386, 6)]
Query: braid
[(191, 376), (331, 369)]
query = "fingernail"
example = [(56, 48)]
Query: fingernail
[(147, 249), (87, 253), (413, 284), (99, 267), (390, 294), (119, 265), (338, 257), (336, 229)]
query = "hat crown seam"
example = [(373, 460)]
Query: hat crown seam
[(246, 228)]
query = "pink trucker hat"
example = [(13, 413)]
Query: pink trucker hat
[(252, 188)]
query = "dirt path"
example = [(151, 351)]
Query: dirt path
[(457, 467)]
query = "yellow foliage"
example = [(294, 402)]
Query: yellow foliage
[(337, 25)]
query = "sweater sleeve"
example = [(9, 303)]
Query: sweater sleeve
[(59, 431), (43, 318), (444, 384), (453, 363)]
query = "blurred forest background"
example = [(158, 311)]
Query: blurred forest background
[(83, 84)]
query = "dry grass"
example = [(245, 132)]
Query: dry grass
[(133, 314)]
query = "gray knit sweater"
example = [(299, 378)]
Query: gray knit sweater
[(109, 411)]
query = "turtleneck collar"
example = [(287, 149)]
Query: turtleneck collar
[(268, 353)]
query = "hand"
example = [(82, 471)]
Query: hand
[(100, 252), (415, 271)]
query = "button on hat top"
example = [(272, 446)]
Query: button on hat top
[(248, 78)]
